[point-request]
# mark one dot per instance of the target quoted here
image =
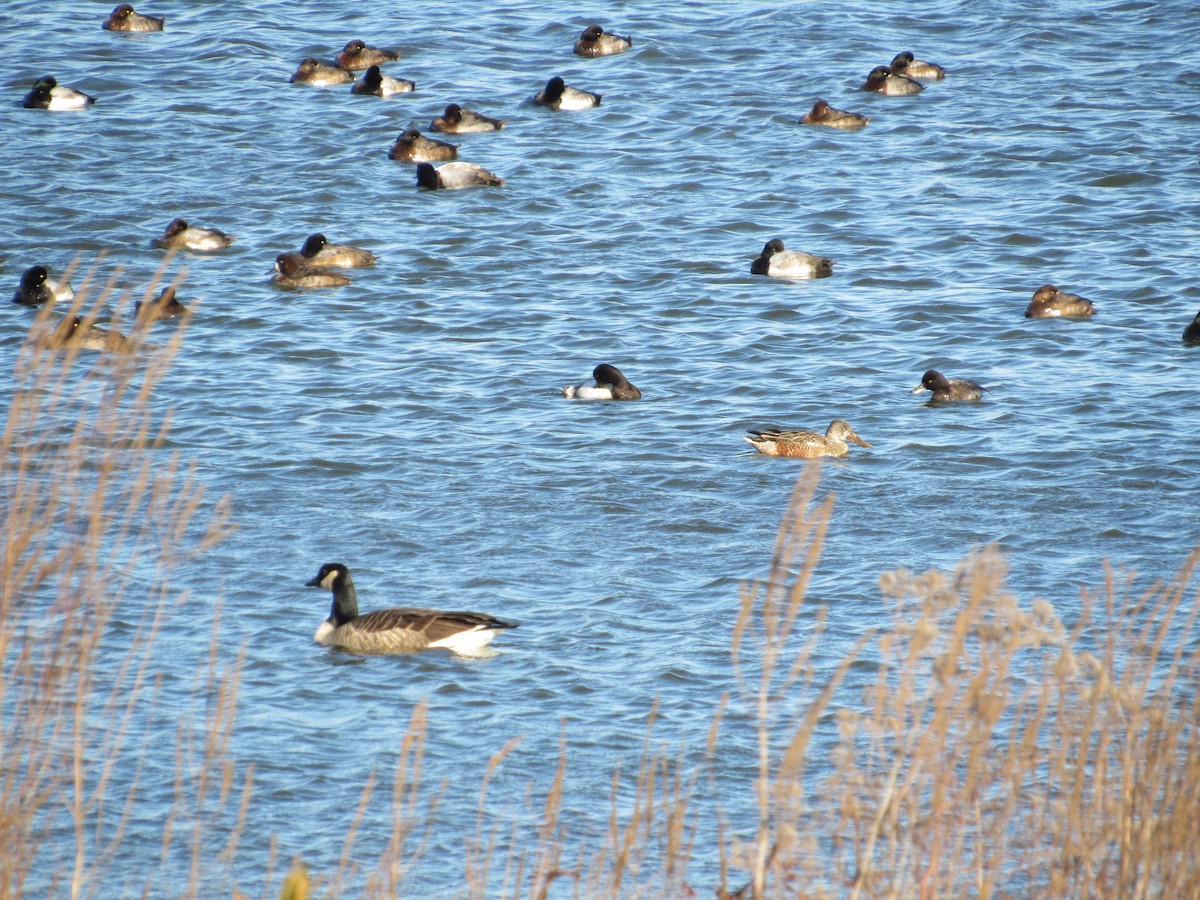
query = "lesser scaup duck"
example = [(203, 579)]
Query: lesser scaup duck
[(164, 306), (456, 120), (948, 388), (319, 252), (780, 263), (47, 93), (374, 83), (824, 114), (1050, 303), (37, 287), (320, 74), (558, 95), (123, 18), (357, 55), (412, 146), (292, 271), (1191, 334), (73, 332), (610, 385), (454, 175), (905, 64), (401, 629), (883, 80), (807, 444), (595, 41), (182, 236)]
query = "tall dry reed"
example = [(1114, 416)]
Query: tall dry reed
[(95, 515)]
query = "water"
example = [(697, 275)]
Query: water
[(410, 425)]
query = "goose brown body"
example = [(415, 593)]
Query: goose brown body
[(400, 629)]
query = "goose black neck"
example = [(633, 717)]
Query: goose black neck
[(345, 602)]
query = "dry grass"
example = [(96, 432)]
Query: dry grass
[(95, 517), (992, 749)]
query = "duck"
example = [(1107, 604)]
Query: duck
[(401, 629), (73, 332), (1191, 334), (883, 80), (412, 146), (37, 287), (595, 41), (454, 175), (948, 388), (824, 114), (780, 263), (375, 83), (47, 93), (1049, 303), (182, 236), (164, 306), (905, 64), (357, 55), (123, 18), (319, 74), (456, 120), (558, 95), (292, 271), (320, 253), (610, 385), (807, 444)]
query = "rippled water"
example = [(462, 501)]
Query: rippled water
[(410, 425)]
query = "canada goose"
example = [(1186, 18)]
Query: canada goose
[(401, 629)]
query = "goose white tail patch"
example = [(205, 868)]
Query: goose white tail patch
[(467, 642)]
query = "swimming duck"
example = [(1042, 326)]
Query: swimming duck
[(182, 236), (610, 385), (824, 114), (905, 64), (291, 271), (375, 83), (807, 444), (356, 56), (1191, 334), (164, 306), (401, 629), (320, 74), (883, 80), (1049, 302), (454, 175), (780, 263), (557, 95), (456, 120), (47, 93), (412, 146), (948, 388), (72, 332), (595, 41), (37, 287), (319, 252), (123, 18)]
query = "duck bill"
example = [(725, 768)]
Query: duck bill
[(919, 389), (856, 439)]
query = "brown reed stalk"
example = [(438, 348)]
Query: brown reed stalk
[(86, 505)]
